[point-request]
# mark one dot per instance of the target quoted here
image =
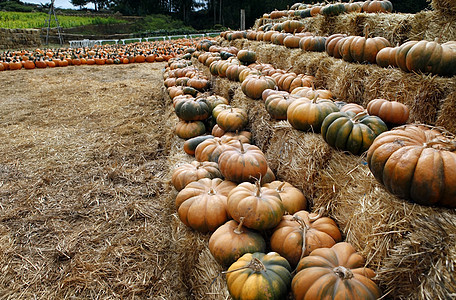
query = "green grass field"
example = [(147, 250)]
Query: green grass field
[(37, 20)]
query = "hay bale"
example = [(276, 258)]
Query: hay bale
[(447, 113), (444, 7)]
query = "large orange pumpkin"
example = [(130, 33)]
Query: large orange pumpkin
[(334, 273)]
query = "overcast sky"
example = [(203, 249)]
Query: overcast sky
[(57, 3)]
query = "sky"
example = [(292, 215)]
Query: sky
[(57, 3)]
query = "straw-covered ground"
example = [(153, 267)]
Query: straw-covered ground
[(86, 209)]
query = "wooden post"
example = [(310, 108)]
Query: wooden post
[(242, 19)]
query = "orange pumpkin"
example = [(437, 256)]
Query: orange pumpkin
[(194, 171)]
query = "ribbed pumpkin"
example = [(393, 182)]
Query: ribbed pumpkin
[(333, 43), (353, 107), (362, 49), (277, 105), (290, 81), (243, 136), (291, 41), (191, 144), (232, 119), (189, 129), (312, 43), (416, 163), (219, 108), (261, 207), (193, 109), (244, 163), (201, 205), (332, 9), (425, 56), (259, 276), (299, 234), (246, 56), (387, 57), (305, 114), (375, 6), (311, 92), (210, 149), (232, 240), (254, 85), (214, 100), (194, 171), (348, 131), (391, 112), (292, 198), (334, 273), (292, 26)]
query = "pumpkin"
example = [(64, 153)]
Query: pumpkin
[(291, 41), (290, 81), (219, 108), (246, 56), (254, 85), (305, 114), (261, 207), (259, 276), (268, 177), (232, 240), (201, 205), (215, 100), (391, 112), (387, 57), (193, 109), (191, 144), (353, 107), (233, 71), (210, 149), (362, 49), (189, 129), (416, 163), (194, 171), (334, 273), (277, 104), (244, 163), (348, 131), (330, 44), (375, 6), (292, 198), (292, 26), (312, 43), (232, 119), (425, 56), (332, 9), (299, 234), (244, 136), (311, 92)]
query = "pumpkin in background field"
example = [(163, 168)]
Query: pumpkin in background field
[(299, 234), (244, 163), (201, 205), (391, 112), (259, 276), (292, 198), (261, 207), (348, 131), (416, 163), (232, 240), (334, 273), (305, 114), (194, 171)]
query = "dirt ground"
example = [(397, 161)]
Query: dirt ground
[(83, 171)]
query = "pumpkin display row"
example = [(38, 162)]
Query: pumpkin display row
[(139, 52), (331, 9), (213, 198), (412, 56)]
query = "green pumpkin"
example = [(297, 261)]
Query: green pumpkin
[(259, 276), (333, 9), (193, 109), (351, 132), (191, 144), (246, 56)]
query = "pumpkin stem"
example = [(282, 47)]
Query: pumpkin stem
[(258, 185), (366, 30), (343, 272), (238, 230), (279, 189), (211, 191), (255, 264), (314, 99), (359, 116), (318, 216), (242, 147), (441, 144)]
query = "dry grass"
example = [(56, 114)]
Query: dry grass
[(85, 198)]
